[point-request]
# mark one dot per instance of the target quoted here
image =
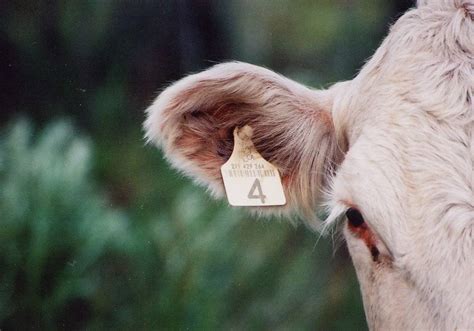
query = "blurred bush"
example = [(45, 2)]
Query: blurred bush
[(70, 261), (56, 232)]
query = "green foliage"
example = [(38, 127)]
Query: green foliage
[(55, 229), (317, 42), (71, 261)]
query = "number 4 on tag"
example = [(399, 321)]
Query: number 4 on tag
[(256, 187), (247, 175)]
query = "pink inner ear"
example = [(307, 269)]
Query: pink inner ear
[(207, 136)]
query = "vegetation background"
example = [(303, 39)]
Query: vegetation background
[(96, 231)]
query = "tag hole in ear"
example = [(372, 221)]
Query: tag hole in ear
[(354, 217)]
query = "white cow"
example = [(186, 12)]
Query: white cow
[(392, 149)]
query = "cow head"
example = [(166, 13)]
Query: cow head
[(390, 152)]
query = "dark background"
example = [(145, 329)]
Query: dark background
[(95, 230)]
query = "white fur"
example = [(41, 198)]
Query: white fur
[(405, 128), (409, 119)]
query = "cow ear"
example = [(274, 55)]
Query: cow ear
[(193, 122)]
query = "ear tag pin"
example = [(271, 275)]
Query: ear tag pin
[(249, 179)]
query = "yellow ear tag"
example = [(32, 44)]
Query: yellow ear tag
[(249, 179)]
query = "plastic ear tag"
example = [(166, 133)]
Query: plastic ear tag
[(249, 179)]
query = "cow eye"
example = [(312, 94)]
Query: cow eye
[(355, 217)]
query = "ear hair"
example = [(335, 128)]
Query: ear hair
[(193, 120)]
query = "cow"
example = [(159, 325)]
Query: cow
[(390, 153)]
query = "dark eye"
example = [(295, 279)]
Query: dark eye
[(355, 217)]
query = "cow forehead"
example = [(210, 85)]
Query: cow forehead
[(426, 62)]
